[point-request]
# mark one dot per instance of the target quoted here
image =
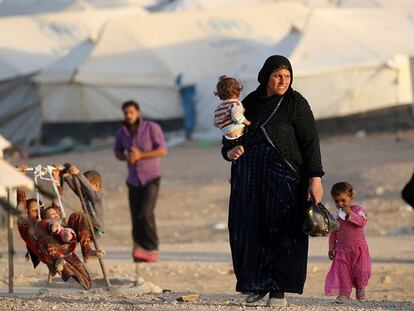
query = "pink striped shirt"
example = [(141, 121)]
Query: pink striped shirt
[(351, 230)]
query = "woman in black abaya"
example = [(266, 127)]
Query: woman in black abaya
[(276, 169)]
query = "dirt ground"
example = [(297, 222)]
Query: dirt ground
[(194, 253)]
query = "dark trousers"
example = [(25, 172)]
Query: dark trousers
[(142, 202)]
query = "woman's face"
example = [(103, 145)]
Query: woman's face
[(279, 82)]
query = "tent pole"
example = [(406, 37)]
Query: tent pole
[(10, 246)]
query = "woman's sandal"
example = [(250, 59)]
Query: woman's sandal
[(253, 297), (277, 299)]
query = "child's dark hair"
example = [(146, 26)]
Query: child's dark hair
[(228, 87), (130, 103), (342, 187), (94, 177), (30, 201), (53, 206)]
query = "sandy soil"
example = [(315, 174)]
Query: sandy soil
[(192, 216)]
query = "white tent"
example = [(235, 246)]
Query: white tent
[(139, 58), (31, 7), (390, 4), (340, 64), (201, 5), (19, 110), (188, 5), (28, 44)]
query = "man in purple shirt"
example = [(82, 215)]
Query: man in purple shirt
[(141, 143)]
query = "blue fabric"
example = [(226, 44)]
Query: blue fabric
[(189, 96)]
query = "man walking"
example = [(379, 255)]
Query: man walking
[(141, 143)]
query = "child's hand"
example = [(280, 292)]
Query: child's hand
[(22, 167), (67, 236), (55, 227), (247, 122), (74, 170), (347, 210), (235, 153), (56, 171), (331, 254)]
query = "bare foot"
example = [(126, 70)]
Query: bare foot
[(93, 255)]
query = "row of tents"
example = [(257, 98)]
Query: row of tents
[(78, 67)]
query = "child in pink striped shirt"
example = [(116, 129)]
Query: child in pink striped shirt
[(229, 115), (348, 248)]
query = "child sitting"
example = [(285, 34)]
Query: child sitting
[(229, 115), (348, 248), (54, 227)]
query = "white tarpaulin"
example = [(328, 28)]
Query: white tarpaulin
[(139, 57), (186, 5), (30, 43), (11, 178), (201, 5), (340, 64), (20, 118), (30, 7)]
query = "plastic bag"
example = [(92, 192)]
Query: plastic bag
[(319, 221)]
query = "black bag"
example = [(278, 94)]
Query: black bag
[(408, 192), (318, 221)]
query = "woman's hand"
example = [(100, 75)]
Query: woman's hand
[(235, 153), (315, 190), (331, 254)]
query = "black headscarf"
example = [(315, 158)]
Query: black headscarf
[(260, 104), (271, 64)]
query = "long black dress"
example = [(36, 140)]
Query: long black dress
[(265, 219)]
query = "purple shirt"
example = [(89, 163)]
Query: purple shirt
[(148, 137)]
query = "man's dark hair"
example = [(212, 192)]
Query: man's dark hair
[(130, 103)]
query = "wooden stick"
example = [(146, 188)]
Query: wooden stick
[(11, 247), (49, 278), (93, 235), (136, 274)]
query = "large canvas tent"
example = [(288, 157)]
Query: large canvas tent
[(188, 5), (28, 44), (32, 7), (129, 62), (340, 65)]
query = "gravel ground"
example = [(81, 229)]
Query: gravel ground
[(192, 217)]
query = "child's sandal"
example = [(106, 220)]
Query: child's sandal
[(60, 264), (360, 295), (342, 299)]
